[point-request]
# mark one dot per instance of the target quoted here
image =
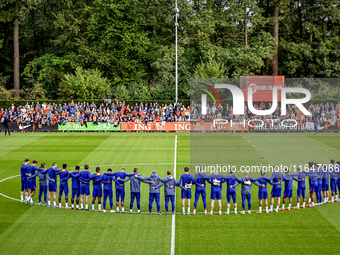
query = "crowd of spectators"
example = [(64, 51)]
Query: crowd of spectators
[(115, 112), (52, 114)]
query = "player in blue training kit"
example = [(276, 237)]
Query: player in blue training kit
[(43, 182), (169, 191), (288, 193), (246, 190), (24, 183), (337, 171), (154, 193), (301, 189), (120, 190), (276, 178), (134, 188), (231, 191), (84, 187), (108, 191), (313, 183), (333, 181), (63, 186), (263, 192), (32, 185), (325, 183), (200, 191), (185, 182), (319, 173), (216, 181), (97, 188), (52, 185), (75, 187)]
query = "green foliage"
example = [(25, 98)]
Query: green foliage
[(84, 84), (131, 43)]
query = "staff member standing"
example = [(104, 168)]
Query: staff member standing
[(7, 124)]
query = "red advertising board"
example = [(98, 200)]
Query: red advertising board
[(262, 87), (181, 126)]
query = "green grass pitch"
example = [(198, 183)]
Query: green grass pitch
[(26, 229)]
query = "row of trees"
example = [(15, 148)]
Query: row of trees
[(125, 48)]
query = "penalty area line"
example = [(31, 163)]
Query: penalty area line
[(6, 195)]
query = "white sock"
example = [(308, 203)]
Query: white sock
[(228, 210), (289, 205), (54, 203), (235, 210), (92, 206), (332, 198), (260, 209), (298, 205), (309, 200), (22, 197), (211, 212), (117, 209), (73, 206), (99, 207), (123, 209), (77, 206), (183, 209), (49, 202), (324, 200), (26, 197), (283, 206), (312, 203), (219, 212), (66, 204), (266, 208), (336, 197), (59, 204), (304, 203), (271, 208), (188, 209), (30, 198), (82, 206), (138, 210), (130, 210), (277, 208), (86, 206), (205, 211), (249, 211)]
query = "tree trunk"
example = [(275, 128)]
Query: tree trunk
[(16, 51), (245, 27), (275, 60)]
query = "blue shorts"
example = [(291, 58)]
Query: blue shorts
[(52, 187), (276, 192), (76, 192), (97, 192), (333, 187), (301, 191), (288, 194), (325, 187), (32, 185), (120, 192), (24, 186), (186, 193), (313, 189), (85, 189), (262, 194), (231, 195), (63, 188), (216, 195)]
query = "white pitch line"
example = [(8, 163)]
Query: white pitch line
[(173, 216), (6, 195)]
